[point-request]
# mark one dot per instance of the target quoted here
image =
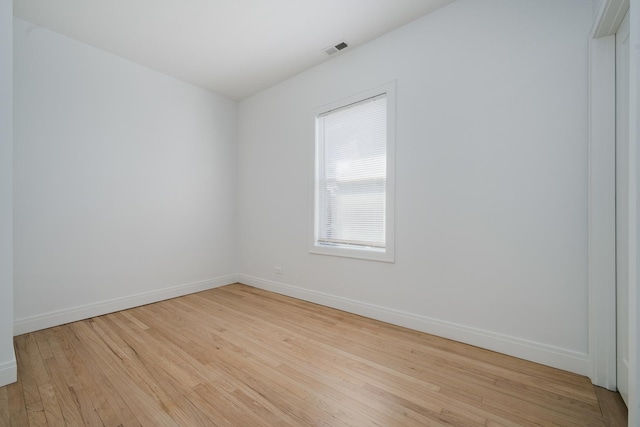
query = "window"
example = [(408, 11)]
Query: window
[(353, 176)]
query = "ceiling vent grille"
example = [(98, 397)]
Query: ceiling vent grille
[(335, 49)]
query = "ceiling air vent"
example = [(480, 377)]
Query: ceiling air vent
[(335, 49)]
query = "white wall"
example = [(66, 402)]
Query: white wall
[(8, 369), (124, 187), (491, 184)]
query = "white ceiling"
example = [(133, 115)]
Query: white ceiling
[(232, 47)]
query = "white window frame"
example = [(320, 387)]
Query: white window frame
[(388, 253)]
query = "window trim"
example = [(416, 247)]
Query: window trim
[(388, 254)]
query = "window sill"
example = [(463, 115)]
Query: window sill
[(364, 254)]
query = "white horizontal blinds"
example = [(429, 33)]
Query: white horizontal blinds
[(352, 172)]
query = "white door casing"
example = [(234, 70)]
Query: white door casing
[(622, 209), (602, 188)]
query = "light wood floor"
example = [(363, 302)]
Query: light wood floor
[(239, 356)]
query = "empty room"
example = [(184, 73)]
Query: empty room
[(327, 213)]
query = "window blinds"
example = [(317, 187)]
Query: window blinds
[(351, 174)]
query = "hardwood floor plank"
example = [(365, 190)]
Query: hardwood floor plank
[(111, 407), (29, 384), (139, 396), (68, 405), (146, 380), (153, 368), (50, 406), (134, 319), (240, 356), (4, 407), (614, 411), (17, 405)]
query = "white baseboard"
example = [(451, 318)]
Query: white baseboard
[(8, 372), (60, 317), (548, 355)]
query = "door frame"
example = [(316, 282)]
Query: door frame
[(601, 204), (602, 187)]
